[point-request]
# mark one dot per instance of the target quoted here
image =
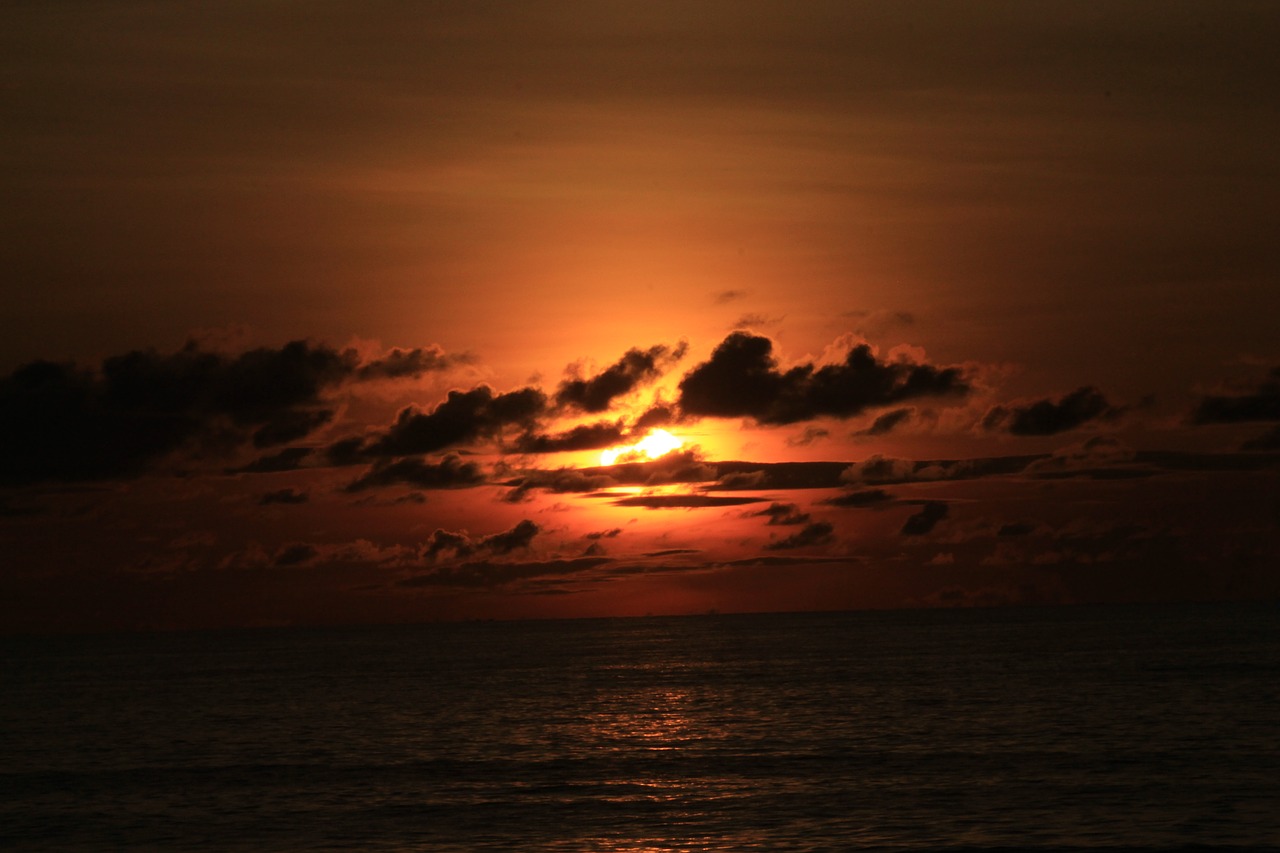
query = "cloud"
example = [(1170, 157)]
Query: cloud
[(782, 514), (859, 498), (1269, 440), (560, 481), (604, 534), (584, 437), (887, 422), (778, 475), (289, 459), (742, 379), (449, 473), (283, 496), (1261, 405), (1016, 528), (296, 554), (486, 574), (925, 520), (65, 422), (807, 437), (401, 363), (460, 544), (816, 533), (681, 466), (291, 425), (727, 296), (1046, 417), (635, 368), (683, 501), (464, 416)]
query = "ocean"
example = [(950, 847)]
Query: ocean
[(1069, 728)]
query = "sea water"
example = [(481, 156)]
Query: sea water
[(1152, 728)]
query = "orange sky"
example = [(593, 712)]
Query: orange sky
[(1051, 225)]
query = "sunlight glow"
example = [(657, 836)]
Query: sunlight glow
[(657, 443)]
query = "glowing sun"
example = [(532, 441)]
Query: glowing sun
[(657, 443)]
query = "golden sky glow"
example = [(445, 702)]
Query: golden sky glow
[(381, 314)]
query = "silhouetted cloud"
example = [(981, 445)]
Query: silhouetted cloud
[(295, 555), (816, 533), (449, 473), (726, 296), (291, 425), (1046, 417), (460, 544), (486, 574), (584, 437), (925, 520), (742, 379), (1016, 528), (464, 416), (659, 414), (681, 466), (604, 534), (1269, 440), (402, 363), (635, 368), (682, 501), (860, 498), (561, 480), (289, 459), (886, 422), (1261, 405), (283, 496), (808, 436), (782, 514), (64, 422)]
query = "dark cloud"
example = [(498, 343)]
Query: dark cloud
[(449, 473), (1261, 405), (681, 466), (63, 422), (887, 422), (815, 533), (283, 496), (291, 425), (925, 520), (485, 574), (656, 415), (683, 501), (464, 416), (561, 480), (726, 296), (862, 497), (289, 459), (782, 514), (672, 552), (742, 380), (517, 537), (635, 368), (461, 545), (585, 437), (1269, 440), (402, 363), (778, 475), (295, 555), (885, 470), (604, 534), (807, 437), (1046, 417), (1016, 528), (346, 451)]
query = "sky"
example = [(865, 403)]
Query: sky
[(333, 312)]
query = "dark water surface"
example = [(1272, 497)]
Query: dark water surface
[(1049, 729)]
